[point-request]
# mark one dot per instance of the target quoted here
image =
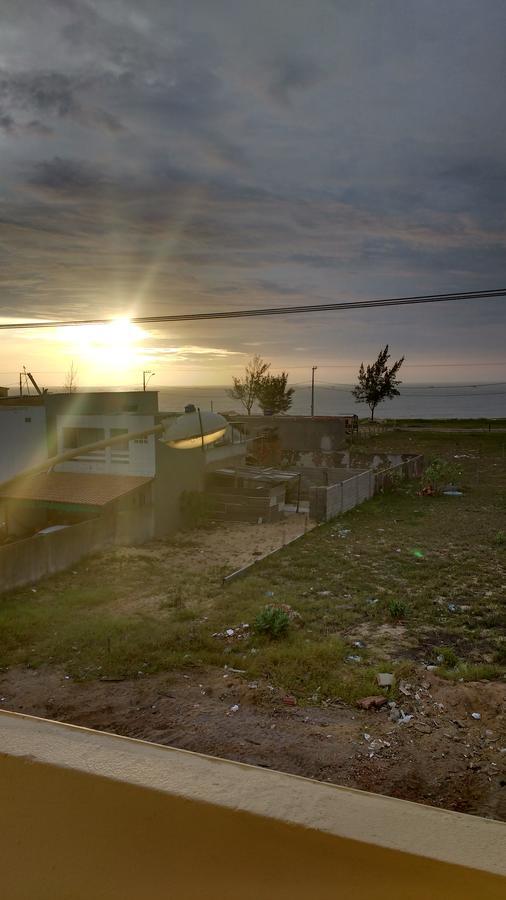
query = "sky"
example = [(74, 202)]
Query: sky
[(201, 155)]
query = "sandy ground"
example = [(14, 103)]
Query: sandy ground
[(230, 546), (442, 756)]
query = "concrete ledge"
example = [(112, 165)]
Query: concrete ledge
[(91, 815)]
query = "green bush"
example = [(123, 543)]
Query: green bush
[(397, 609), (446, 656), (272, 622), (500, 538), (439, 473)]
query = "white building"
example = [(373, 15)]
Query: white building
[(23, 439)]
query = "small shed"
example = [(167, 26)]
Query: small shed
[(249, 493)]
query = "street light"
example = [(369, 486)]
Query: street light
[(145, 381), (195, 428)]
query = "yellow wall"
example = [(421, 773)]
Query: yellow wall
[(87, 815)]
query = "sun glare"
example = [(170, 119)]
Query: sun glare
[(105, 349)]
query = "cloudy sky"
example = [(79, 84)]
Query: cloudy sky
[(172, 157)]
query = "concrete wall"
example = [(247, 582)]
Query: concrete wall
[(184, 470), (22, 438), (90, 816), (177, 471), (27, 561), (297, 434), (327, 502)]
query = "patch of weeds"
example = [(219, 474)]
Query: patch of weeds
[(500, 654), (500, 539), (397, 609), (446, 657), (470, 672), (182, 614), (313, 670), (438, 473), (272, 622), (404, 671)]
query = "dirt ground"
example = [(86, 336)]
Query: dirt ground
[(442, 756), (237, 544)]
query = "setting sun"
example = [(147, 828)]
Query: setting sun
[(108, 348)]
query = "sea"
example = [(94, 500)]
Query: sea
[(440, 401)]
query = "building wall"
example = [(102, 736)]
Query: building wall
[(93, 816), (26, 561), (177, 471), (280, 439), (22, 439), (96, 403), (136, 458)]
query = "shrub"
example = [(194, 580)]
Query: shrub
[(397, 609), (272, 622), (439, 473), (500, 538), (446, 656)]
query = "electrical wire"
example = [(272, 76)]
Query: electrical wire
[(273, 311)]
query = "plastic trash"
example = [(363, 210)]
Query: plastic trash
[(385, 679), (476, 716), (404, 719)]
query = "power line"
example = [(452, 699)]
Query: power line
[(499, 362), (273, 311), (405, 387)]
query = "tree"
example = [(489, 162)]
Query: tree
[(273, 395), (70, 386), (246, 389), (377, 382)]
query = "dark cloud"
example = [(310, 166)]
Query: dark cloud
[(293, 75), (249, 151), (67, 177), (46, 92), (54, 95)]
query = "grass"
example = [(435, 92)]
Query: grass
[(415, 578)]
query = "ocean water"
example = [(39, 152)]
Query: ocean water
[(416, 401)]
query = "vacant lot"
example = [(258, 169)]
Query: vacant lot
[(135, 641)]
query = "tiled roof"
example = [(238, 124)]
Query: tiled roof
[(74, 487)]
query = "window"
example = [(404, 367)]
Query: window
[(120, 452), (81, 437)]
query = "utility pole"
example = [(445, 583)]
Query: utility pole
[(313, 370), (145, 381)]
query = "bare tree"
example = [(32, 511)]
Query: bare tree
[(246, 389), (70, 386)]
